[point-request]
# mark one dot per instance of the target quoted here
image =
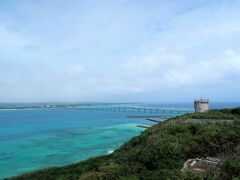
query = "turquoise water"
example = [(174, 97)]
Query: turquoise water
[(39, 138), (31, 139)]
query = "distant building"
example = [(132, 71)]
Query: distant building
[(201, 105)]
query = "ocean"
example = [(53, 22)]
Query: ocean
[(38, 138)]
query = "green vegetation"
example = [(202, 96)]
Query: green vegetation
[(160, 151), (229, 114)]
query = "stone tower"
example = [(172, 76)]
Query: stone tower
[(201, 105)]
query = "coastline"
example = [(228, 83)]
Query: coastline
[(176, 140)]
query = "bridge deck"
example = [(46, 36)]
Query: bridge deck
[(134, 109)]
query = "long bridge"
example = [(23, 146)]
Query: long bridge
[(105, 107), (153, 114), (149, 113), (131, 109)]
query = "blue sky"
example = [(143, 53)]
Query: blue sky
[(126, 50)]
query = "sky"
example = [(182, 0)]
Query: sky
[(119, 51)]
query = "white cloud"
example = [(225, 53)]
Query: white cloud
[(154, 62), (207, 71), (163, 70), (76, 69)]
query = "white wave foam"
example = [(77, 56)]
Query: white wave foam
[(110, 151)]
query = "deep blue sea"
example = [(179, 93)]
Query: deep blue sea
[(38, 138)]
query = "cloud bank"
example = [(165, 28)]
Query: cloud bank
[(128, 51)]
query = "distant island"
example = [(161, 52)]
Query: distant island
[(45, 105), (192, 146)]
